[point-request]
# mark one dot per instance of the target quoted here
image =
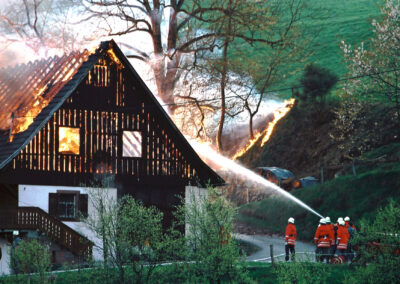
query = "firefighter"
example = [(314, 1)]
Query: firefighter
[(352, 230), (331, 229), (322, 240), (290, 239), (343, 237), (335, 228), (349, 224)]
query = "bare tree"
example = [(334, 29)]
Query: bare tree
[(177, 28), (39, 24)]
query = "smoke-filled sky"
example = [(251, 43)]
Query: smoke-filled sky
[(63, 31)]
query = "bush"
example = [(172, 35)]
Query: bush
[(213, 254), (30, 256), (316, 83), (378, 246), (302, 272)]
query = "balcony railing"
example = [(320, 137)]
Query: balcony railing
[(34, 218)]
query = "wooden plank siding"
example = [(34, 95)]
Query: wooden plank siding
[(104, 105)]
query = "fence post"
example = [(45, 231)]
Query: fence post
[(271, 252), (353, 167), (322, 174)]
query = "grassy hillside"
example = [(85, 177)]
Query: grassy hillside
[(306, 140), (357, 196), (327, 23)]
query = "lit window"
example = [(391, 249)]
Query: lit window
[(132, 144), (68, 142)]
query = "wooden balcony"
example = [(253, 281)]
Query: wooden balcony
[(34, 218)]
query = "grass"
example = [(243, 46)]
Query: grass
[(257, 272), (357, 196), (326, 23)]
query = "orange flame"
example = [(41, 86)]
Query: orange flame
[(248, 146), (267, 132), (22, 123), (68, 140)]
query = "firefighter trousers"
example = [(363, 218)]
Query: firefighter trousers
[(292, 252)]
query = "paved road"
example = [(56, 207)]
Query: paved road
[(264, 242)]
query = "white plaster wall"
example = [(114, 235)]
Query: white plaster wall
[(5, 259), (195, 195), (38, 196)]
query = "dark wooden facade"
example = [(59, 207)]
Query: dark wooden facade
[(111, 98)]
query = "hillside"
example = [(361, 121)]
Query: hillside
[(357, 196), (326, 23), (305, 141)]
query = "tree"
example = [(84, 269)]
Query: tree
[(177, 28), (31, 256), (378, 246), (316, 83), (38, 24), (375, 66), (131, 234), (211, 249)]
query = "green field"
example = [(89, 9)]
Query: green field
[(327, 23)]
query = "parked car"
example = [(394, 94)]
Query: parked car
[(281, 177)]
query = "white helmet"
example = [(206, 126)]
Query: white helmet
[(327, 219), (339, 219), (341, 222), (291, 220), (347, 218), (322, 221)]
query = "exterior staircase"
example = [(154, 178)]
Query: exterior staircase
[(34, 218)]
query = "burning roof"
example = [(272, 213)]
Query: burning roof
[(26, 89), (30, 94)]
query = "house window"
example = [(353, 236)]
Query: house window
[(68, 140), (132, 144), (66, 205)]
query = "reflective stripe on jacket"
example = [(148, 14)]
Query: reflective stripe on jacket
[(290, 234), (322, 236), (342, 237)]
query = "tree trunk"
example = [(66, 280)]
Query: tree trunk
[(221, 122), (251, 131), (224, 74)]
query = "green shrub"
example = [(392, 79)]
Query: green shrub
[(302, 273), (30, 256), (378, 245)]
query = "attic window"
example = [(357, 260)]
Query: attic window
[(132, 144), (68, 140)]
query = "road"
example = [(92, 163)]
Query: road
[(264, 242)]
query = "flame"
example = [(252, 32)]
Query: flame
[(68, 140), (267, 132), (114, 58), (248, 146), (20, 124)]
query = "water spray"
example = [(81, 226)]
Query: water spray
[(222, 161)]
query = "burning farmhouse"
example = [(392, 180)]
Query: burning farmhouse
[(65, 121)]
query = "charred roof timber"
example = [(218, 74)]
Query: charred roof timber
[(68, 118)]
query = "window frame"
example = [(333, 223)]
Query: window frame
[(81, 202), (58, 140), (141, 144)]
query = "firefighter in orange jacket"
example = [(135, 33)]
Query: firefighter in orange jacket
[(331, 230), (323, 241), (343, 237), (290, 239)]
